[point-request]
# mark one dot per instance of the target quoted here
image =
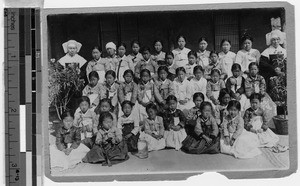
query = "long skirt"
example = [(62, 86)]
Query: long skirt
[(115, 153), (60, 160), (174, 138), (132, 141), (153, 144), (267, 138), (194, 145), (245, 146)]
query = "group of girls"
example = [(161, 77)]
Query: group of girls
[(199, 102)]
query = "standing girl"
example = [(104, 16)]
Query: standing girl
[(67, 151), (256, 121), (111, 59), (192, 57), (153, 129), (109, 147), (147, 92), (180, 53), (235, 140), (227, 58), (236, 83), (205, 139), (129, 124), (203, 54), (98, 64), (171, 66), (199, 83), (247, 55), (93, 89), (110, 90), (214, 63), (174, 122), (183, 90), (135, 55), (159, 55), (128, 90), (124, 62), (214, 85), (146, 63)]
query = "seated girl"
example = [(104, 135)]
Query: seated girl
[(235, 140), (109, 148), (221, 109), (105, 106), (205, 139), (255, 83), (174, 122), (153, 129), (129, 124), (93, 89), (199, 83), (146, 63), (236, 83), (194, 113), (147, 92), (214, 85), (85, 118), (164, 85), (256, 121), (183, 90), (68, 151)]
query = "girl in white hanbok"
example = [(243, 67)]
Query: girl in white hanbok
[(153, 129), (235, 140), (256, 121), (181, 53), (203, 54), (226, 58), (68, 150), (183, 90)]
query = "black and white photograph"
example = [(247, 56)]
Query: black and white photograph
[(157, 90)]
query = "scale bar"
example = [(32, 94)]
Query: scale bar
[(22, 128)]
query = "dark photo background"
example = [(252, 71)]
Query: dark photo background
[(98, 29)]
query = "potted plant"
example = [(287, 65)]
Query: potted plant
[(63, 85), (278, 93)]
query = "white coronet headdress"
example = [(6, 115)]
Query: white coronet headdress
[(66, 44)]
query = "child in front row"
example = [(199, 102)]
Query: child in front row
[(214, 85), (68, 149), (109, 147), (174, 122), (153, 129), (129, 124), (85, 118), (256, 121), (194, 113), (221, 109), (235, 140), (205, 139)]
